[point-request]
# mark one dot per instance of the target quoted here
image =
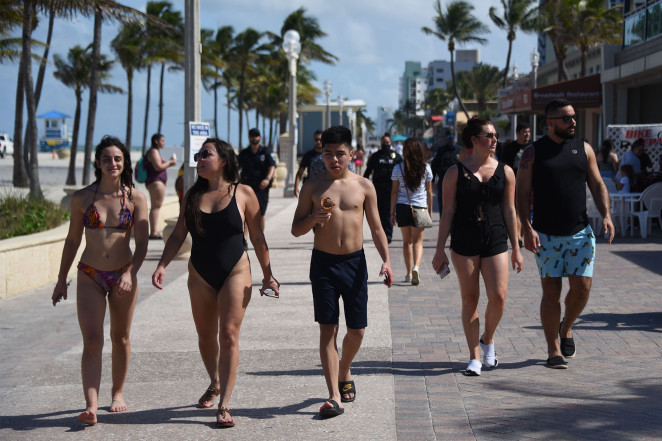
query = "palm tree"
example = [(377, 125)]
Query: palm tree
[(75, 72), (457, 26), (516, 14), (243, 53), (551, 23), (127, 47), (484, 83), (214, 61), (437, 100), (168, 46), (589, 23)]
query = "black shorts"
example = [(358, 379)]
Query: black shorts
[(336, 275), (262, 198), (473, 241), (403, 215)]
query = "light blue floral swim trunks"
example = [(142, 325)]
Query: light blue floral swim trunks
[(560, 256)]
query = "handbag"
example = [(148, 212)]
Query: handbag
[(421, 216)]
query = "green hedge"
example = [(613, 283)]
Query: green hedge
[(21, 215)]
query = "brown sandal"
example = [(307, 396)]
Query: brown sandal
[(223, 413), (208, 397)]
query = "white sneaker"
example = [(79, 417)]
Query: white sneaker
[(408, 278), (473, 369), (489, 355), (415, 279)]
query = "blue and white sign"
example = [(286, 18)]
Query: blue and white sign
[(198, 133)]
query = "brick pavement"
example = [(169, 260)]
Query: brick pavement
[(611, 391)]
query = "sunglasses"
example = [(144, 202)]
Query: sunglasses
[(203, 154), (565, 118), (490, 135), (318, 139)]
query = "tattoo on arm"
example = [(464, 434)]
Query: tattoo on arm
[(527, 158)]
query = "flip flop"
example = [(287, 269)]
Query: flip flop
[(331, 412), (347, 387)]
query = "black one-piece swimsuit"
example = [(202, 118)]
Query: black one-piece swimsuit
[(216, 252)]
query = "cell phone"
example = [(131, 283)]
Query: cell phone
[(386, 278), (270, 293), (444, 271)]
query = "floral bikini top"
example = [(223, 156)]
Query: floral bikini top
[(92, 220)]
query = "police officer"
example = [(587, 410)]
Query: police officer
[(257, 169), (380, 165)]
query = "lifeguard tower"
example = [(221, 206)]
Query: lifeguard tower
[(56, 135)]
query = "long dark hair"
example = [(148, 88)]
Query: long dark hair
[(230, 173), (474, 127), (607, 147), (156, 137), (414, 164), (127, 172)]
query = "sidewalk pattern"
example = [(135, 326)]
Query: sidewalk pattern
[(611, 391), (407, 373)]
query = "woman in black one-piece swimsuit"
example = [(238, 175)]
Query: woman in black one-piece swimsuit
[(479, 214), (214, 212)]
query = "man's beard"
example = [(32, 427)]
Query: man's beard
[(563, 134)]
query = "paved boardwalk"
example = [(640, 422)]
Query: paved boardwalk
[(407, 373)]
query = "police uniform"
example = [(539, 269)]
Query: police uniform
[(254, 169), (380, 165)]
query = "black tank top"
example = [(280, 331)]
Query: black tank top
[(559, 186), (478, 215), (215, 253)]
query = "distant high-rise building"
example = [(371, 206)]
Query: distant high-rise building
[(439, 71)]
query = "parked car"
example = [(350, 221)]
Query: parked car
[(6, 145)]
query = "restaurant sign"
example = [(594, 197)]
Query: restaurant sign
[(584, 92)]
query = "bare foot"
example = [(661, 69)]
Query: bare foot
[(118, 404), (88, 417)]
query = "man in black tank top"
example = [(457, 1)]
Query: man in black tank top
[(552, 177)]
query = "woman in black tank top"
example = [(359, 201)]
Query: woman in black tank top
[(479, 214), (215, 211)]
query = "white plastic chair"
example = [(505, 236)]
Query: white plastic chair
[(611, 187), (594, 216), (650, 204)]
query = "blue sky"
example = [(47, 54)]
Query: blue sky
[(371, 38)]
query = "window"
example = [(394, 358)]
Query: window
[(635, 27)]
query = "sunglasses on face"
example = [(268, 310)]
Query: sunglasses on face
[(565, 118), (318, 140), (490, 135), (203, 154)]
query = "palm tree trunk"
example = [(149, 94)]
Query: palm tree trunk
[(149, 80), (584, 56), (240, 107), (227, 95), (216, 112), (129, 111), (271, 134), (158, 130), (94, 86), (457, 93), (20, 177), (510, 51), (44, 59), (71, 174), (35, 188)]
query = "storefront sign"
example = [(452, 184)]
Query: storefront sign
[(585, 92), (516, 102)]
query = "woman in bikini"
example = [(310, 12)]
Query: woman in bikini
[(105, 211), (479, 214), (215, 211)]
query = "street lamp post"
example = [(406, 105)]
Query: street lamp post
[(341, 101), (535, 58), (514, 87), (328, 88), (350, 117), (291, 47)]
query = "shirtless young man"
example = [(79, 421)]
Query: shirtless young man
[(338, 266)]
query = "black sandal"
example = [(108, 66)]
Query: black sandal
[(331, 412), (347, 387)]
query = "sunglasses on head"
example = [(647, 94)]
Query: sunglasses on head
[(203, 154), (565, 118), (490, 135)]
